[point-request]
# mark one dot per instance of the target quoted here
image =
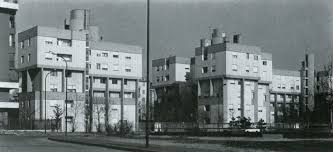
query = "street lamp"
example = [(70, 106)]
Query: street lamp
[(148, 82), (45, 100), (65, 88)]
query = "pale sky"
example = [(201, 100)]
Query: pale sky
[(285, 28)]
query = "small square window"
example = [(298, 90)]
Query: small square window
[(114, 81), (213, 68), (234, 56), (128, 70), (105, 54), (128, 57), (115, 56), (264, 62), (204, 69), (234, 67)]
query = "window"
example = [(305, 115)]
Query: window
[(11, 40), (167, 78), (21, 44), (103, 80), (66, 57), (48, 42), (12, 21), (64, 42), (264, 62), (213, 55), (213, 68), (22, 59), (297, 87), (114, 81), (157, 68), (115, 94), (115, 56), (255, 69), (234, 56), (259, 110), (125, 81), (29, 56), (279, 86), (28, 42), (283, 86), (98, 66), (128, 95), (128, 70), (98, 55), (256, 57), (128, 57), (292, 88), (157, 79), (207, 108), (105, 54), (204, 69), (104, 67), (248, 56), (54, 73), (234, 67), (205, 55)]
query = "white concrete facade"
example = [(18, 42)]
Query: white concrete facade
[(237, 80)]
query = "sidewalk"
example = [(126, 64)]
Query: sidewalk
[(137, 144)]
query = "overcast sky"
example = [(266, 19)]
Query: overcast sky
[(285, 28)]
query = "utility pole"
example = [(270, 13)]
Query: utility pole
[(148, 82)]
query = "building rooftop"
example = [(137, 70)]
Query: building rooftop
[(117, 47), (172, 60), (292, 73), (51, 32)]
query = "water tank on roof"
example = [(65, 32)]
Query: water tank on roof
[(79, 19), (217, 36)]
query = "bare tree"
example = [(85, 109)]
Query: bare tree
[(57, 111), (76, 111), (98, 110)]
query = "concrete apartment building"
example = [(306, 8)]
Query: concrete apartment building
[(284, 96), (102, 76), (168, 80), (234, 80), (8, 76)]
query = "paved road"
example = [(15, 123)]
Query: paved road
[(42, 144)]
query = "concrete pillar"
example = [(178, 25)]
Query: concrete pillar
[(106, 102), (268, 105), (275, 107), (255, 101), (83, 82), (122, 101), (136, 104), (199, 88), (284, 108), (211, 88), (41, 93), (63, 82), (91, 93), (242, 97)]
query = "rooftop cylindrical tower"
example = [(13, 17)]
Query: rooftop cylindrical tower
[(217, 37), (79, 19)]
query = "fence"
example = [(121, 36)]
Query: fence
[(33, 124), (217, 127)]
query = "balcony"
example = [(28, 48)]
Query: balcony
[(9, 4)]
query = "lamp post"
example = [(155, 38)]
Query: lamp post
[(45, 101), (148, 82), (65, 88)]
